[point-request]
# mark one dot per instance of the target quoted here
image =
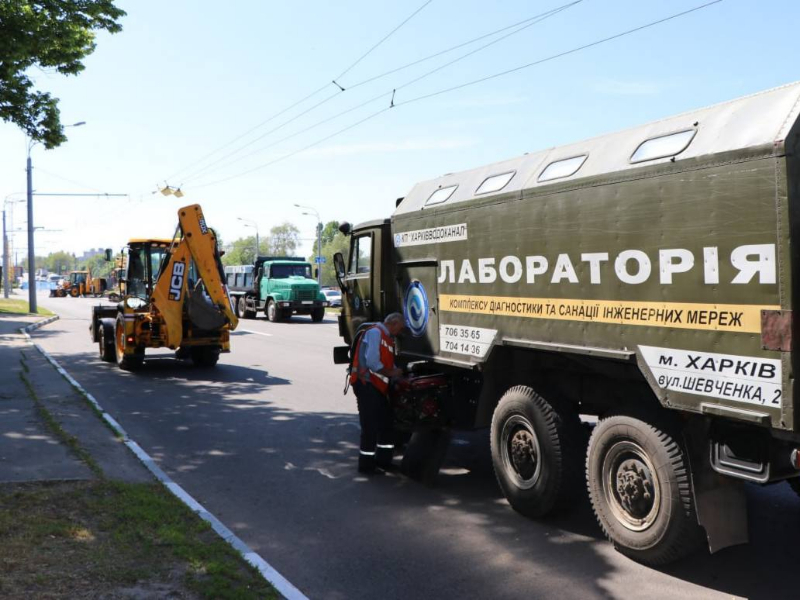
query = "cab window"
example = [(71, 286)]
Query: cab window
[(360, 255)]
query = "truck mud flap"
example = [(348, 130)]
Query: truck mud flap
[(720, 501)]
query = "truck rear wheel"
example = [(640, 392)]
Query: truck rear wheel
[(244, 311), (536, 452), (317, 315), (205, 356), (106, 340), (639, 483), (126, 362)]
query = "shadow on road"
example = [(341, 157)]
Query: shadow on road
[(283, 477)]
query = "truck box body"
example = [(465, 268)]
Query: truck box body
[(652, 265)]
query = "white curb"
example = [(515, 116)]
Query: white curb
[(280, 583)]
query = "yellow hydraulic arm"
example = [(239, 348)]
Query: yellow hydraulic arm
[(197, 243)]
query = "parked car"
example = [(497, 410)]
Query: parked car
[(334, 297)]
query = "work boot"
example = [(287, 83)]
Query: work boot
[(366, 464)]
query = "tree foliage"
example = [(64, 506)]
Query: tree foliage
[(283, 240), (52, 35), (60, 262), (242, 251), (333, 241)]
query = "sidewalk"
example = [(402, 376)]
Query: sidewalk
[(30, 450)]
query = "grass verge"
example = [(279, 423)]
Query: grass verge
[(104, 539), (20, 307)]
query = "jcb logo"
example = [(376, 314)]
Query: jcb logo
[(176, 283)]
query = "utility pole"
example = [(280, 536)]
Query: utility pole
[(319, 238), (31, 251), (5, 256)]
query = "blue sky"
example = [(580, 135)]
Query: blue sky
[(184, 78)]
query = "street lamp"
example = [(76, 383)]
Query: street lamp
[(319, 239), (31, 249), (254, 225)]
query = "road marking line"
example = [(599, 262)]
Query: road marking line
[(280, 583), (251, 331)]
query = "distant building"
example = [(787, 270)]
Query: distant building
[(90, 253)]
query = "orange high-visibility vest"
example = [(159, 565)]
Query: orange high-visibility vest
[(362, 373)]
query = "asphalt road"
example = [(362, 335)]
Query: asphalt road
[(268, 443)]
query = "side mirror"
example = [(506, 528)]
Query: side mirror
[(345, 228), (339, 271), (316, 273), (109, 254)]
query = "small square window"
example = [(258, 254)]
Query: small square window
[(495, 183), (663, 146), (562, 168), (441, 195)]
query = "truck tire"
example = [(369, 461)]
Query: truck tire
[(536, 452), (640, 487), (205, 356), (317, 315), (106, 340), (126, 362), (274, 314), (795, 485), (245, 312), (61, 293), (74, 292)]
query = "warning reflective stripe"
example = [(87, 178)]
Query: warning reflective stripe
[(367, 453), (381, 377), (387, 446)]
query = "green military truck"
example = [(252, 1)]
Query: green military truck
[(644, 279), (280, 286)]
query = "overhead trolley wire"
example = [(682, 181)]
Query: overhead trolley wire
[(466, 84), (309, 96), (560, 55), (386, 37), (525, 24)]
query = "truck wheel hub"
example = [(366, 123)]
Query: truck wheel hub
[(523, 454), (630, 487)]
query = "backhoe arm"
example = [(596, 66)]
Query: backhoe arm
[(199, 244)]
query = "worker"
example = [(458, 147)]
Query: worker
[(370, 375)]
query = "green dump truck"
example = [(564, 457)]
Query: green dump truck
[(280, 286), (644, 280)]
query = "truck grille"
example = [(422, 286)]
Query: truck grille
[(306, 295)]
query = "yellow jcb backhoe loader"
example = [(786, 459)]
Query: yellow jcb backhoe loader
[(174, 296)]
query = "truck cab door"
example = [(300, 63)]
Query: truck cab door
[(360, 279)]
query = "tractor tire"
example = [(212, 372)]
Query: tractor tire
[(795, 484), (537, 449), (74, 292), (317, 315), (205, 356), (640, 487), (61, 293), (106, 341), (114, 297), (274, 314), (126, 362), (245, 312)]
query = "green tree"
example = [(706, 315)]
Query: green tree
[(243, 251), (59, 262), (50, 35), (332, 243), (98, 266), (283, 240)]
